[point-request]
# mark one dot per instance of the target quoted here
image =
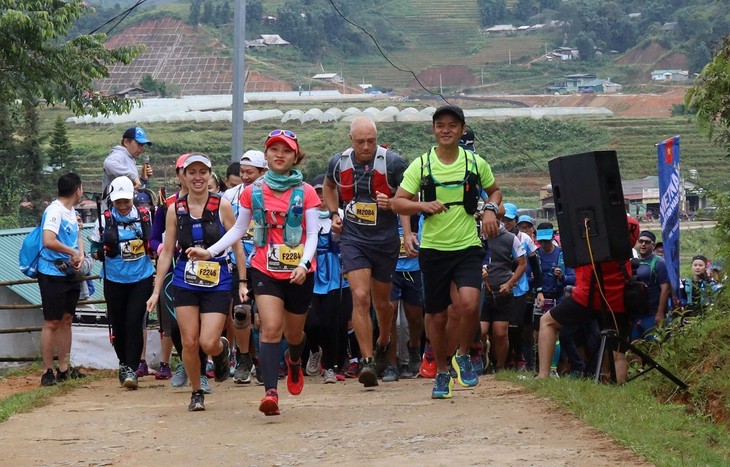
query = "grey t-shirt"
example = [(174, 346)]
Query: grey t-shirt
[(385, 229), (504, 249), (118, 163)]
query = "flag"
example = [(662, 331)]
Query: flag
[(670, 196)]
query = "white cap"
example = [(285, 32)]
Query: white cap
[(193, 158), (254, 159), (121, 188)]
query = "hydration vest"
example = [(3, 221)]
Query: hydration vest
[(209, 221), (264, 219), (110, 238), (470, 183), (378, 177)]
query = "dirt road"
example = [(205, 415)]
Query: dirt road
[(496, 423)]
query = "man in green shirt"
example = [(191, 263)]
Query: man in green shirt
[(449, 180)]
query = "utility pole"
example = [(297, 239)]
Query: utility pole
[(239, 79)]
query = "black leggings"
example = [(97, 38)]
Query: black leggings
[(126, 307), (326, 326)]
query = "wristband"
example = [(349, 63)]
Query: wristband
[(490, 207), (538, 289), (306, 265), (241, 281), (334, 213)]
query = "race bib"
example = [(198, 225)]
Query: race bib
[(202, 273), (249, 233), (132, 250), (281, 258), (402, 251), (362, 213)]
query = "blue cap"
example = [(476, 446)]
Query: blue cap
[(138, 134), (544, 234), (510, 211), (522, 219)]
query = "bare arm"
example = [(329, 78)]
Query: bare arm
[(332, 200), (164, 261), (229, 220), (406, 203)]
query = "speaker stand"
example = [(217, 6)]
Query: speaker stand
[(610, 336)]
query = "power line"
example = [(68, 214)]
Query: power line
[(409, 71), (121, 16)]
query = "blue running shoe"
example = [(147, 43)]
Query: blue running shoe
[(464, 371), (179, 378), (204, 386), (442, 386)]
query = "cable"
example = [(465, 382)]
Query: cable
[(409, 71), (123, 15), (598, 280)]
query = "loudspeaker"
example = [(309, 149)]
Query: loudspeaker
[(589, 205)]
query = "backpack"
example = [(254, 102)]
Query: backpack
[(30, 252), (470, 184)]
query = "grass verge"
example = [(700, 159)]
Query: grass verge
[(663, 433), (26, 401)]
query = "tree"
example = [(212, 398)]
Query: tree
[(491, 11), (194, 15), (207, 17), (37, 63), (710, 97), (60, 145), (585, 45)]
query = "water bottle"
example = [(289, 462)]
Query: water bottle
[(259, 229), (241, 315), (293, 228)]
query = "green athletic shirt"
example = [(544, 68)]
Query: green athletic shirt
[(454, 229)]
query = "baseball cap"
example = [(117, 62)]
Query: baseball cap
[(545, 231), (193, 158), (467, 139), (510, 211), (527, 219), (138, 134), (180, 162), (318, 182), (285, 136), (121, 188), (142, 197), (254, 159), (450, 109)]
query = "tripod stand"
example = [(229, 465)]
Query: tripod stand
[(610, 336)]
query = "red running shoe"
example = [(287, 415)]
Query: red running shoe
[(428, 366), (270, 403), (294, 376), (352, 370)]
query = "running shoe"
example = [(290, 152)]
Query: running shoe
[(477, 363), (209, 369), (270, 403), (179, 378), (48, 378), (70, 373), (329, 376), (427, 369), (242, 375), (390, 375), (204, 386), (381, 358), (221, 370), (314, 361), (197, 402), (259, 380), (442, 386), (164, 372), (405, 372), (368, 377), (142, 369), (464, 372), (294, 376), (352, 370), (130, 378)]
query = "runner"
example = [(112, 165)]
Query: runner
[(282, 206), (448, 179), (201, 289)]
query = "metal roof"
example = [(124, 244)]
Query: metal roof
[(10, 242)]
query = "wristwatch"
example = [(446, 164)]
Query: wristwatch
[(333, 213), (490, 207), (306, 265)]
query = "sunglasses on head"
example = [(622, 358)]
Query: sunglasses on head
[(287, 133)]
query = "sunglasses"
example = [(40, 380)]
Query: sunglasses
[(645, 242), (287, 133)]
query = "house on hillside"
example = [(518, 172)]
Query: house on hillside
[(500, 29), (328, 77), (273, 39), (583, 83), (669, 75), (131, 92), (673, 26)]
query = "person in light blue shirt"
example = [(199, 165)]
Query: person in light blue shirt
[(122, 242), (59, 261)]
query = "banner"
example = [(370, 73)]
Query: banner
[(669, 197)]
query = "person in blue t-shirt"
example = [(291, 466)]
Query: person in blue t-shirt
[(652, 271), (124, 247), (59, 260)]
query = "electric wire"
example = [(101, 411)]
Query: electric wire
[(412, 73), (121, 16)]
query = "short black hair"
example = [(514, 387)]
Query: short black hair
[(545, 225), (68, 184), (234, 168)]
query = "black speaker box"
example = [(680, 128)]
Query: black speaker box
[(589, 205)]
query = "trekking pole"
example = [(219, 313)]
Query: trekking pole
[(101, 258)]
